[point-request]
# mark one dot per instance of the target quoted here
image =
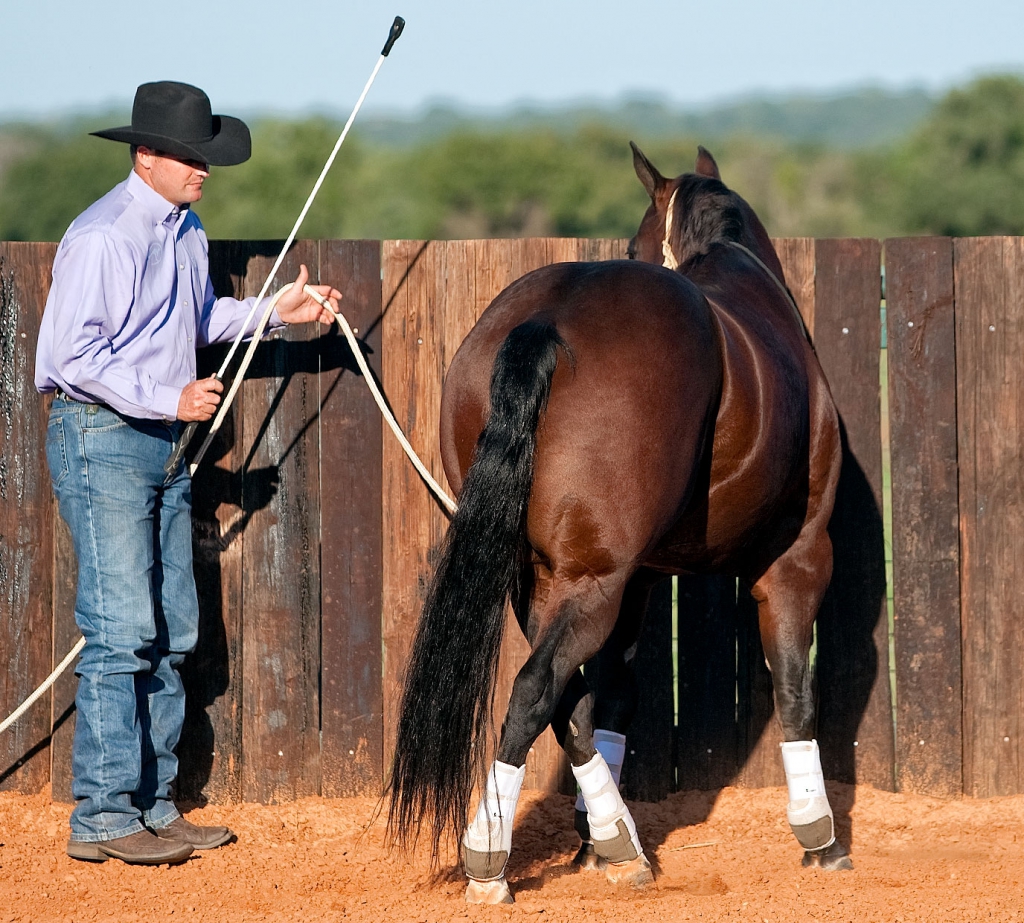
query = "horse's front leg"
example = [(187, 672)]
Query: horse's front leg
[(789, 595)]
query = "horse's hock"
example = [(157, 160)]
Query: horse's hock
[(310, 587)]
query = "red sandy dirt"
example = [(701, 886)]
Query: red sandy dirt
[(724, 856)]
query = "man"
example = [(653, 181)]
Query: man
[(131, 301)]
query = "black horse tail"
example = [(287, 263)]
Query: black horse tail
[(445, 723)]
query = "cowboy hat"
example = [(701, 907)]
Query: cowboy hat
[(176, 119)]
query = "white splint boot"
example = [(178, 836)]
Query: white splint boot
[(488, 839), (809, 813)]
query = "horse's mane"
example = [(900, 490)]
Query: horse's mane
[(710, 214)]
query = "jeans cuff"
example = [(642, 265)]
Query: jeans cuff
[(134, 827), (160, 815)]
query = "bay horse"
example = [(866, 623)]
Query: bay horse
[(606, 424)]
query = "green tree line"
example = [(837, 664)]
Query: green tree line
[(959, 172)]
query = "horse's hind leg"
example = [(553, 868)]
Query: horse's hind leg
[(789, 594), (615, 698), (610, 839), (566, 631)]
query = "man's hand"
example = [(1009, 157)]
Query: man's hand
[(296, 307), (199, 400)]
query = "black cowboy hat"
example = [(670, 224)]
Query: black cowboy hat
[(176, 119)]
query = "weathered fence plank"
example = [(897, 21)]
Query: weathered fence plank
[(413, 297), (210, 753), (26, 517), (925, 536), (280, 557), (649, 772), (65, 637), (351, 706), (707, 728), (855, 704), (988, 275)]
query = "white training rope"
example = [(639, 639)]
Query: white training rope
[(436, 488), (353, 343), (448, 503), (782, 288), (47, 683)]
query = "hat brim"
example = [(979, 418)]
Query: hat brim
[(231, 142)]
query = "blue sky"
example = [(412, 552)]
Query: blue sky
[(306, 56)]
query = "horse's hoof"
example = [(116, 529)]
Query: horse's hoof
[(834, 858), (636, 873), (587, 859), (489, 892)]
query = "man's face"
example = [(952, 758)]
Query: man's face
[(178, 180)]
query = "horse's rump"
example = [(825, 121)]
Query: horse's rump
[(636, 404)]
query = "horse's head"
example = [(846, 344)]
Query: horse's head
[(692, 212)]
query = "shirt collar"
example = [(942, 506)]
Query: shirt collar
[(159, 209)]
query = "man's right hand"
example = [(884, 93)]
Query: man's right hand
[(199, 400)]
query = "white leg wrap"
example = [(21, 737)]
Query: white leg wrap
[(488, 839), (611, 825), (612, 747), (808, 812)]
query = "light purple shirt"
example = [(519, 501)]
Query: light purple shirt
[(130, 303)]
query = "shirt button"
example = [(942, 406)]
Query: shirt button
[(186, 304), (181, 265)]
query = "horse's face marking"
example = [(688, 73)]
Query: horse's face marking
[(646, 244)]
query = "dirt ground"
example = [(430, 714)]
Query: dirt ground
[(717, 856)]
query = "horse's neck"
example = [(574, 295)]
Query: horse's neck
[(713, 269), (778, 282)]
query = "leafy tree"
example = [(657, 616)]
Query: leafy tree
[(959, 174), (962, 173), (43, 191)]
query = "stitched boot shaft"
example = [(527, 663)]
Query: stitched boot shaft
[(809, 813), (611, 825), (488, 839)]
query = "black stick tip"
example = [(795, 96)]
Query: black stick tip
[(396, 30)]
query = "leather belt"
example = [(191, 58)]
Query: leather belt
[(64, 396)]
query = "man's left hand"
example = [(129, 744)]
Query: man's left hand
[(297, 307)]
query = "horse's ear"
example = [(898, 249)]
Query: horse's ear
[(646, 171), (706, 165)]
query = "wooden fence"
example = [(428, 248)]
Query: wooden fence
[(313, 535)]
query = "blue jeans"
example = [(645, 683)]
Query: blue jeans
[(136, 606)]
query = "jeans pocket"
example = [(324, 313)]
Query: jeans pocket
[(100, 419), (56, 450)]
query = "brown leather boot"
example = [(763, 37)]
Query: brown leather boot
[(181, 831), (140, 848)]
